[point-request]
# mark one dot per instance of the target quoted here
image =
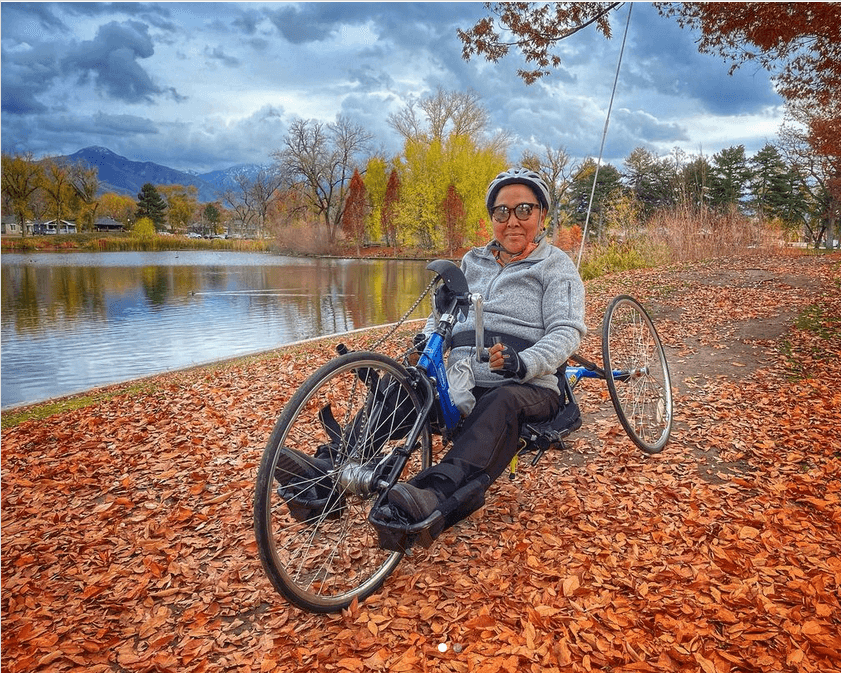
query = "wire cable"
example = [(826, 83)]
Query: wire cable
[(604, 136)]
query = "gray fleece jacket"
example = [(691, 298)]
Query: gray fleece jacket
[(539, 298)]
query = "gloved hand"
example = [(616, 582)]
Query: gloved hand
[(506, 359), (418, 344)]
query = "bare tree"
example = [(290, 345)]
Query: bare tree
[(253, 196), (448, 113), (554, 167), (321, 158)]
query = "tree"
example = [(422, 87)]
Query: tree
[(376, 184), (210, 217), (448, 114), (355, 211), (391, 201), (554, 167), (181, 206), (85, 181), (452, 209), (21, 177), (253, 196), (608, 187), (144, 229), (694, 184), (320, 158), (652, 181), (57, 186), (729, 178), (821, 173), (774, 188), (151, 204), (535, 28), (118, 207), (799, 43)]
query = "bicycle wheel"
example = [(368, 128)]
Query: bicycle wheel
[(314, 539), (637, 374)]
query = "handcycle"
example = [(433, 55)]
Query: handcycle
[(374, 419)]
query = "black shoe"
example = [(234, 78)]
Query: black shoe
[(295, 468), (304, 484), (415, 502)]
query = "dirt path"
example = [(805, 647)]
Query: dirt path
[(127, 544)]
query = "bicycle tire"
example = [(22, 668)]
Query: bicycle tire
[(642, 393), (321, 558)]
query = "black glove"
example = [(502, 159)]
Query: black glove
[(512, 365), (418, 344)]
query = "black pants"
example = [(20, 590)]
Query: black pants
[(488, 439)]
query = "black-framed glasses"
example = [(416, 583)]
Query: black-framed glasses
[(522, 212)]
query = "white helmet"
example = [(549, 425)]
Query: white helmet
[(519, 176)]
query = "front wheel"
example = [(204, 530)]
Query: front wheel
[(636, 373), (313, 535)]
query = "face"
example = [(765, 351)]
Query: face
[(515, 234)]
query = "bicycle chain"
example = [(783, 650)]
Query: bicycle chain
[(397, 325)]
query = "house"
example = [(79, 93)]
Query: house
[(107, 224), (52, 227), (10, 226)]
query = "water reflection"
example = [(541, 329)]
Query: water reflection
[(74, 321)]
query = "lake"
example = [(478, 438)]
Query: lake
[(75, 321)]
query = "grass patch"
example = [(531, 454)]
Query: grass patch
[(125, 242), (37, 412)]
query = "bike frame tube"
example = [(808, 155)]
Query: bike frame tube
[(432, 362)]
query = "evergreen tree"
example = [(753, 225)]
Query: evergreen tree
[(651, 179), (729, 179), (608, 187), (774, 188), (152, 205)]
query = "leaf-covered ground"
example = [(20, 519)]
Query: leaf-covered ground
[(127, 539)]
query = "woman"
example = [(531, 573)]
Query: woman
[(534, 301)]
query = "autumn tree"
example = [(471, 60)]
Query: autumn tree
[(21, 177), (448, 144), (119, 207), (799, 43), (821, 175), (320, 159), (151, 204), (355, 211), (376, 183), (57, 186), (85, 182), (391, 202), (181, 206), (452, 212)]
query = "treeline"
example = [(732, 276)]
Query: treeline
[(326, 190)]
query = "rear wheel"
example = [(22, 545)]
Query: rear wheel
[(637, 374), (314, 539)]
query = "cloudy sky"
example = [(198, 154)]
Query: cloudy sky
[(201, 87)]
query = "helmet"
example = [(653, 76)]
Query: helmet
[(519, 176)]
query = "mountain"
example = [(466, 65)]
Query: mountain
[(123, 176)]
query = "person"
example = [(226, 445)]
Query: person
[(534, 305)]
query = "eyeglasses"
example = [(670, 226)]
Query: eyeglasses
[(522, 212)]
